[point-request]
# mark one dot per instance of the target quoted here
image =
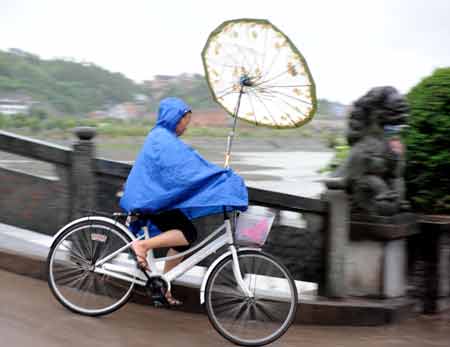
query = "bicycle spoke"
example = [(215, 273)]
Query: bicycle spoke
[(76, 255), (250, 320), (265, 311), (85, 288), (226, 302), (70, 276), (239, 316), (68, 281), (234, 290), (67, 270), (106, 250), (66, 266), (78, 282), (83, 239)]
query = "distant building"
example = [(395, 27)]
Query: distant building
[(97, 114), (141, 99), (159, 86), (13, 106), (164, 77), (126, 110), (159, 83), (213, 118)]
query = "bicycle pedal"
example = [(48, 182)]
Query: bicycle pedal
[(158, 304), (157, 297)]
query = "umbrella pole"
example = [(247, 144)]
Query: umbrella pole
[(232, 133)]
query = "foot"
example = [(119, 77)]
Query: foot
[(171, 301), (141, 256)]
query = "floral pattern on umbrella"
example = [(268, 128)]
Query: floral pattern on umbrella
[(250, 62)]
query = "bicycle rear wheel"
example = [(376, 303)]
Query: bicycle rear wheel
[(72, 276), (250, 321)]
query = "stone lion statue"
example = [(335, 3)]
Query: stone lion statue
[(373, 172)]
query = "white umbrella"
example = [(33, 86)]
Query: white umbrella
[(256, 73)]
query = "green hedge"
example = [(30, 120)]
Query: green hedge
[(428, 144)]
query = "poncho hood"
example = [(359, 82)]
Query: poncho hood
[(168, 174), (171, 110)]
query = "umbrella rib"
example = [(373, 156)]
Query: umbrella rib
[(227, 93), (253, 108), (243, 48), (271, 98), (265, 106), (224, 90), (272, 78), (286, 85), (246, 68), (265, 50), (259, 58), (287, 103), (222, 73), (255, 56), (217, 62), (237, 62), (290, 96), (275, 57), (223, 66), (228, 55), (282, 111), (293, 107)]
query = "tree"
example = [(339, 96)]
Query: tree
[(428, 144)]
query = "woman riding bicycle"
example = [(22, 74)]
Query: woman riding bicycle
[(171, 184)]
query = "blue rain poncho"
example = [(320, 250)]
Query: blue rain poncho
[(168, 174)]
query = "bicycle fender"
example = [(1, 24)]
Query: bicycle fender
[(213, 265), (94, 218)]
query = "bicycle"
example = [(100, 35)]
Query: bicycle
[(250, 297)]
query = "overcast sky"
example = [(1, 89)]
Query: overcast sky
[(350, 46)]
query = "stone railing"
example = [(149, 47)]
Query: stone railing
[(38, 203), (83, 182)]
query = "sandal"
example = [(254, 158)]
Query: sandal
[(171, 301), (141, 260)]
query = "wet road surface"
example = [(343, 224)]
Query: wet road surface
[(30, 316)]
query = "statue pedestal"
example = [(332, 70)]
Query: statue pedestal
[(434, 243), (377, 258)]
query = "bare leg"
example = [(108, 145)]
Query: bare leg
[(170, 264), (175, 238), (168, 238)]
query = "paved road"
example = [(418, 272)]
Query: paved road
[(30, 316)]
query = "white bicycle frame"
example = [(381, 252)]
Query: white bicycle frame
[(137, 276)]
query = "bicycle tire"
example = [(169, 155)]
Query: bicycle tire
[(222, 291), (73, 254)]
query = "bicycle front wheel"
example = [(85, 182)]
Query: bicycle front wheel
[(73, 278), (253, 320)]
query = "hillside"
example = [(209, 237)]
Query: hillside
[(193, 89), (74, 88), (64, 86)]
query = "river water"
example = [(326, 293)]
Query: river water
[(286, 172), (272, 167), (284, 164)]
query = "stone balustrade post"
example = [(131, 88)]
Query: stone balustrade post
[(435, 245), (336, 240), (83, 185)]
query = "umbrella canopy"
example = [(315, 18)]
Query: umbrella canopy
[(252, 63)]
